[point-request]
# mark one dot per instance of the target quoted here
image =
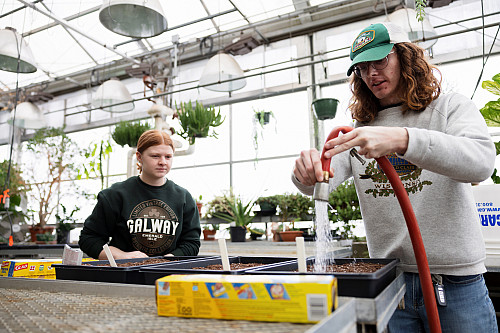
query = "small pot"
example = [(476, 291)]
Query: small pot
[(238, 234), (289, 236), (325, 108), (209, 235)]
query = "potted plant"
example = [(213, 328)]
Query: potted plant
[(128, 133), (344, 205), (256, 233), (65, 223), (15, 190), (325, 108), (197, 120), (239, 215), (260, 119), (267, 205), (291, 207), (209, 231), (53, 159), (199, 204), (491, 113), (219, 204)]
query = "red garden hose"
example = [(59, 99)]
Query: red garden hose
[(413, 229)]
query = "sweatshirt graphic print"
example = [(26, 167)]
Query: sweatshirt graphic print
[(407, 172), (152, 225)]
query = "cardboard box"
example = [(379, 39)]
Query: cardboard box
[(284, 298), (30, 268)]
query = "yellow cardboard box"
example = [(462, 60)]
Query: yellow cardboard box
[(287, 298), (31, 268), (28, 267)]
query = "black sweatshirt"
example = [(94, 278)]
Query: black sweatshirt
[(156, 220)]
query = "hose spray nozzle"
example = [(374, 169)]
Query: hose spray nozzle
[(321, 189)]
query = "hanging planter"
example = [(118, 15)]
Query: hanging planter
[(196, 121), (325, 108), (263, 117)]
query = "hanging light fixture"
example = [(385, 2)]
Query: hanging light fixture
[(12, 47), (406, 18), (28, 116), (219, 68), (133, 18), (113, 92)]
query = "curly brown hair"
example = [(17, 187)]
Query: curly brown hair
[(418, 85)]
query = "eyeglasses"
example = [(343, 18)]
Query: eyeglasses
[(361, 69)]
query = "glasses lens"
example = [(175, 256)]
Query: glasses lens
[(380, 64), (360, 69), (357, 71)]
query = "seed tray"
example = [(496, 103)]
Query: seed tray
[(367, 285), (151, 274), (93, 271)]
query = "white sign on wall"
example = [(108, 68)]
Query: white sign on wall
[(487, 199)]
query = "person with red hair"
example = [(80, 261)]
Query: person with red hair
[(145, 215)]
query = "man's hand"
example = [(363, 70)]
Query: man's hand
[(308, 169), (373, 141)]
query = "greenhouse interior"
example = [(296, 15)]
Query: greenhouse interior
[(280, 165)]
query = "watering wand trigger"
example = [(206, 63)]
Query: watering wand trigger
[(354, 153)]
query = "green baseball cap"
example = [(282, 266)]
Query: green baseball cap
[(375, 42)]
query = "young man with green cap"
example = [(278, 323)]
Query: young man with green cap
[(439, 145)]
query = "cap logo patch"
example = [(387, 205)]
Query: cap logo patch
[(363, 38)]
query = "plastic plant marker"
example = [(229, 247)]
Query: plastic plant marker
[(223, 254), (301, 254), (111, 260)]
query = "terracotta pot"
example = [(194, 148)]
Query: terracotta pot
[(199, 205), (209, 235), (35, 229), (289, 236)]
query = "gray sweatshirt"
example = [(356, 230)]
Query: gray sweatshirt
[(449, 148)]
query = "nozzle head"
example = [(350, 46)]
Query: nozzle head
[(321, 191)]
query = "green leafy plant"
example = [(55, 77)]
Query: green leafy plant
[(54, 159), (65, 221), (491, 113), (95, 156), (17, 186), (237, 212), (196, 121), (294, 206), (344, 204), (128, 133), (219, 204), (268, 203), (212, 226), (420, 9), (260, 119)]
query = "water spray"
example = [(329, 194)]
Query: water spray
[(321, 193)]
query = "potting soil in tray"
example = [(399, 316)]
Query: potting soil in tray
[(126, 272), (355, 277), (238, 264)]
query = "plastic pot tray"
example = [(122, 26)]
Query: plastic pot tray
[(92, 271), (151, 274), (367, 285)]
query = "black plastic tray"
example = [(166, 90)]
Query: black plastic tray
[(367, 285), (92, 271), (151, 274)]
